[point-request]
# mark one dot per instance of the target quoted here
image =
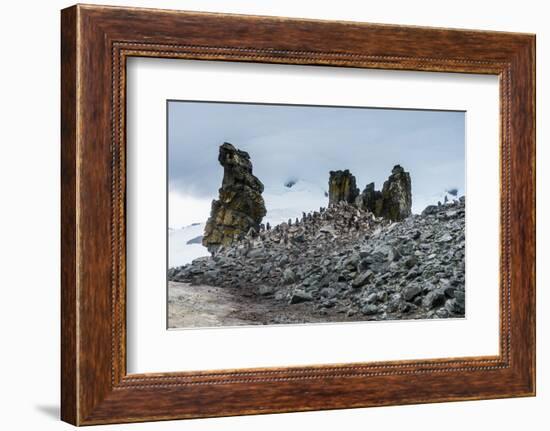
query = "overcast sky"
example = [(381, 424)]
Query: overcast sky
[(305, 143)]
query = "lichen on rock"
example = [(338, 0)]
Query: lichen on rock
[(396, 195), (394, 202), (370, 199), (240, 206), (342, 187)]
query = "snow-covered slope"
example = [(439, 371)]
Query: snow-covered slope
[(283, 202), (181, 253), (451, 194)]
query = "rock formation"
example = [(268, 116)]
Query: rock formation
[(394, 202), (240, 206), (396, 195), (370, 199), (350, 258), (341, 187), (344, 261)]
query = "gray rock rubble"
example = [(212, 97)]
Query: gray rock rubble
[(345, 260)]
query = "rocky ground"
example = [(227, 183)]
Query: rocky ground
[(338, 264)]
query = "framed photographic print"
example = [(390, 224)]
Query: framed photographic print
[(264, 214)]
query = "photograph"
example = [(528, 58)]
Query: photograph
[(307, 214)]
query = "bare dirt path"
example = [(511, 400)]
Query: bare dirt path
[(192, 306), (202, 306)]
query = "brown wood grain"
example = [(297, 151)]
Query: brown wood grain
[(69, 367), (96, 41)]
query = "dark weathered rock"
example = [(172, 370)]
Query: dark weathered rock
[(394, 202), (397, 195), (240, 205), (300, 295), (288, 276), (456, 305), (328, 292), (369, 309), (411, 261), (362, 279), (370, 199), (266, 290), (433, 299), (342, 187), (430, 210), (410, 292), (372, 298), (446, 237)]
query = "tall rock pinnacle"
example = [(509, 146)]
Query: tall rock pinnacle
[(342, 187), (394, 202), (240, 206), (396, 195)]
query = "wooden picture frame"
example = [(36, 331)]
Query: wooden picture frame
[(95, 43)]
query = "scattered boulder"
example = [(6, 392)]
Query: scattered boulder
[(446, 237), (266, 290), (288, 276), (369, 309), (410, 292), (411, 261), (430, 210), (300, 295), (435, 298), (362, 279), (456, 306), (328, 292)]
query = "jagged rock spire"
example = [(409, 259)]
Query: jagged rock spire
[(342, 187), (396, 195), (394, 202), (240, 206)]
